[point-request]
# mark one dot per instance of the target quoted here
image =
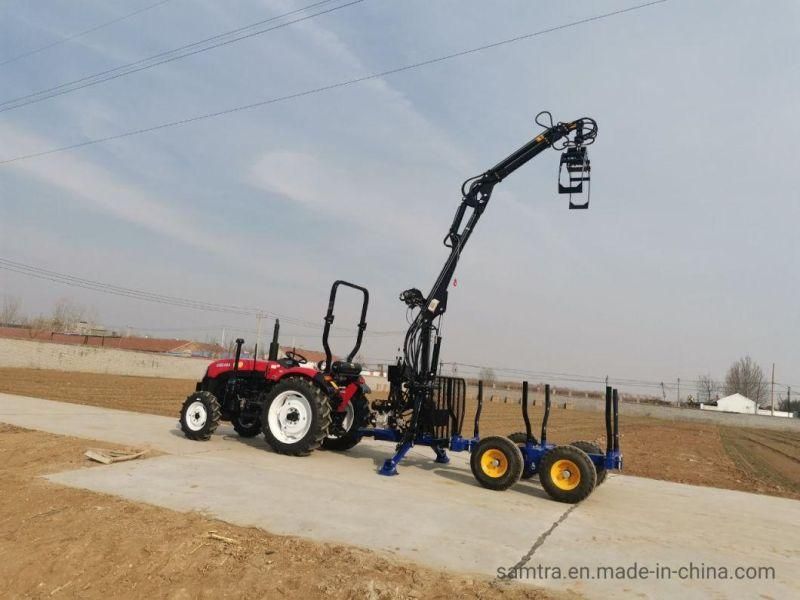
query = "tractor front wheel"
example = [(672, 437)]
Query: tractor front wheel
[(567, 474), (297, 417), (496, 463), (200, 415)]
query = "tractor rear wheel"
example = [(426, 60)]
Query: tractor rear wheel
[(200, 415), (520, 438), (297, 416), (567, 474), (592, 448), (496, 463), (343, 433)]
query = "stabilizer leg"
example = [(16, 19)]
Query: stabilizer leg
[(389, 467)]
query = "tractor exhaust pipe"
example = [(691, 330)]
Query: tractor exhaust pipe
[(239, 343), (273, 346)]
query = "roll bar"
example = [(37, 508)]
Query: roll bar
[(362, 324)]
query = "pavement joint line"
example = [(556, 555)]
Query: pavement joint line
[(540, 541)]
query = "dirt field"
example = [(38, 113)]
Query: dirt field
[(696, 453), (58, 542)]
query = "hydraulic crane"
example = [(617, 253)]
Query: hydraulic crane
[(415, 377)]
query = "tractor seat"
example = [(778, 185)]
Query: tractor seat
[(341, 368)]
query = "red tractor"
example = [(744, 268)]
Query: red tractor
[(297, 407)]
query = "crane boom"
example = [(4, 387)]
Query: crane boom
[(420, 356)]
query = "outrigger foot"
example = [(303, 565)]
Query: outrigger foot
[(389, 467), (441, 455)]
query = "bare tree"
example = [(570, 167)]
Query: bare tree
[(11, 311), (67, 314), (745, 377), (487, 375), (707, 389), (38, 326)]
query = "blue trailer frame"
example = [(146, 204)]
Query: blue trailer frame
[(532, 451)]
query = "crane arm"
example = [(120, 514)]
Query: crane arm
[(572, 137)]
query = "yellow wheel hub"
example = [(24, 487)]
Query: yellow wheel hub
[(565, 474), (494, 463)]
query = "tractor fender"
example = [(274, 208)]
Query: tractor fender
[(317, 377)]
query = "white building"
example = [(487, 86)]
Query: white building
[(736, 403)]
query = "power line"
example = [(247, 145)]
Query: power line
[(107, 288), (582, 378), (234, 328), (326, 88), (164, 57), (81, 33)]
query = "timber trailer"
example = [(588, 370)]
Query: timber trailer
[(425, 408)]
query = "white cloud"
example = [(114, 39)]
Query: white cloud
[(99, 190)]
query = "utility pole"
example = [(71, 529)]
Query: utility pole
[(772, 393), (789, 401), (679, 391), (663, 392), (222, 338)]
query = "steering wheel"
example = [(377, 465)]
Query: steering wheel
[(298, 358)]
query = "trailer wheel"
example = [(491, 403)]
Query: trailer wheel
[(567, 474), (520, 438), (200, 415), (348, 424), (592, 448), (496, 463), (297, 416), (246, 427)]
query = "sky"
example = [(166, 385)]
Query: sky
[(685, 261)]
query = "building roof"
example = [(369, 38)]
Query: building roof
[(737, 396)]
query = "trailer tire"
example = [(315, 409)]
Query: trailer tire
[(496, 463), (358, 414), (567, 474), (200, 415), (592, 448), (246, 428), (520, 438), (296, 417)]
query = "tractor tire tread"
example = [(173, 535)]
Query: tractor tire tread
[(360, 419), (214, 415), (246, 431), (323, 417)]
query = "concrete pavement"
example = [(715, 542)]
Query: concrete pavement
[(437, 515)]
